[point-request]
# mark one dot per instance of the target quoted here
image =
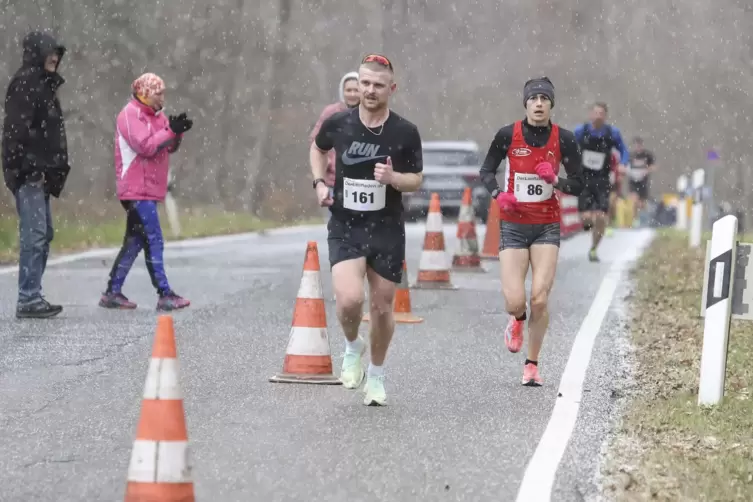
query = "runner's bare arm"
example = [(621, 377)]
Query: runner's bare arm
[(323, 143), (408, 176), (494, 157), (571, 159), (407, 182), (318, 162)]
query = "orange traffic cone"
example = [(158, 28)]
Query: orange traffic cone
[(466, 257), (402, 309), (308, 358), (160, 469), (491, 239), (434, 269)]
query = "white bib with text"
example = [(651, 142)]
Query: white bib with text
[(363, 195), (638, 173), (593, 160), (531, 188)]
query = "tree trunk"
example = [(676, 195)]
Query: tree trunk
[(273, 104)]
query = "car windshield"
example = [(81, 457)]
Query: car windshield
[(451, 158)]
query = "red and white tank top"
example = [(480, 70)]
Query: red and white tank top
[(538, 202)]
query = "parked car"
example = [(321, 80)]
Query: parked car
[(449, 167)]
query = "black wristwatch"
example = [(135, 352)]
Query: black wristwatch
[(317, 181), (495, 193)]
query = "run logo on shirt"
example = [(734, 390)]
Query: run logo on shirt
[(360, 152)]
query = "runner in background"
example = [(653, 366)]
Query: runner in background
[(349, 98), (642, 165), (597, 139)]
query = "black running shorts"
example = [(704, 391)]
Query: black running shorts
[(382, 243), (595, 196), (639, 188), (524, 235)]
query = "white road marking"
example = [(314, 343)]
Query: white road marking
[(541, 470)]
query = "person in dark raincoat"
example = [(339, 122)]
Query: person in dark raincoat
[(35, 162)]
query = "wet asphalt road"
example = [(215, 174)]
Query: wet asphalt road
[(459, 425)]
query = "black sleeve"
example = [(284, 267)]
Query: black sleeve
[(494, 157), (414, 157), (20, 106), (325, 138), (571, 159)]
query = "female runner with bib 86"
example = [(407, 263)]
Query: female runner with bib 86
[(530, 212)]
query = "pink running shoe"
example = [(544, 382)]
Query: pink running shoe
[(116, 301), (531, 376), (514, 334), (171, 301)]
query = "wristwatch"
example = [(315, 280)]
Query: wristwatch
[(495, 193), (317, 181)]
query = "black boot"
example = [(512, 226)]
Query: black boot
[(38, 310)]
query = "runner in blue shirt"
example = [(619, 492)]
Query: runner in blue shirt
[(597, 139)]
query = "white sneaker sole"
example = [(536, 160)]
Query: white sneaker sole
[(371, 401)]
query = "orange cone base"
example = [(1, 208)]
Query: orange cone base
[(467, 264), (311, 379), (433, 285), (159, 492), (469, 269), (400, 318)]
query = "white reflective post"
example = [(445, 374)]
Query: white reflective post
[(719, 290)]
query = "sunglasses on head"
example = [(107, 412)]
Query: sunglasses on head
[(379, 59)]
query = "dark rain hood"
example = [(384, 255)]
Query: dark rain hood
[(36, 47)]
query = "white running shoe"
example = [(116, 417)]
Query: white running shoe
[(375, 393), (352, 372)]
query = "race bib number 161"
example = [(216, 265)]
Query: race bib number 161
[(363, 195)]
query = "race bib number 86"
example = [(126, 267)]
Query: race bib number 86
[(363, 195), (531, 188)]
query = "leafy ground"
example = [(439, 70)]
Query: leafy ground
[(667, 448), (77, 234)]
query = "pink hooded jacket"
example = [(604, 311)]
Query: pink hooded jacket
[(328, 111), (143, 144)]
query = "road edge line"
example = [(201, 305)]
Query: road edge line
[(541, 471)]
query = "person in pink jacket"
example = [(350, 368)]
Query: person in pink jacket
[(349, 98), (144, 140)]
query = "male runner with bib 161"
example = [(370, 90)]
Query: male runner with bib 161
[(530, 212), (378, 156)]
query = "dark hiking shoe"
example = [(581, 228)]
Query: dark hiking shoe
[(116, 301), (41, 309), (171, 301)]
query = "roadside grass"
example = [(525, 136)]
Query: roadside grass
[(667, 447), (73, 235)]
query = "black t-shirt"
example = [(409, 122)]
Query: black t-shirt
[(639, 164), (357, 150)]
